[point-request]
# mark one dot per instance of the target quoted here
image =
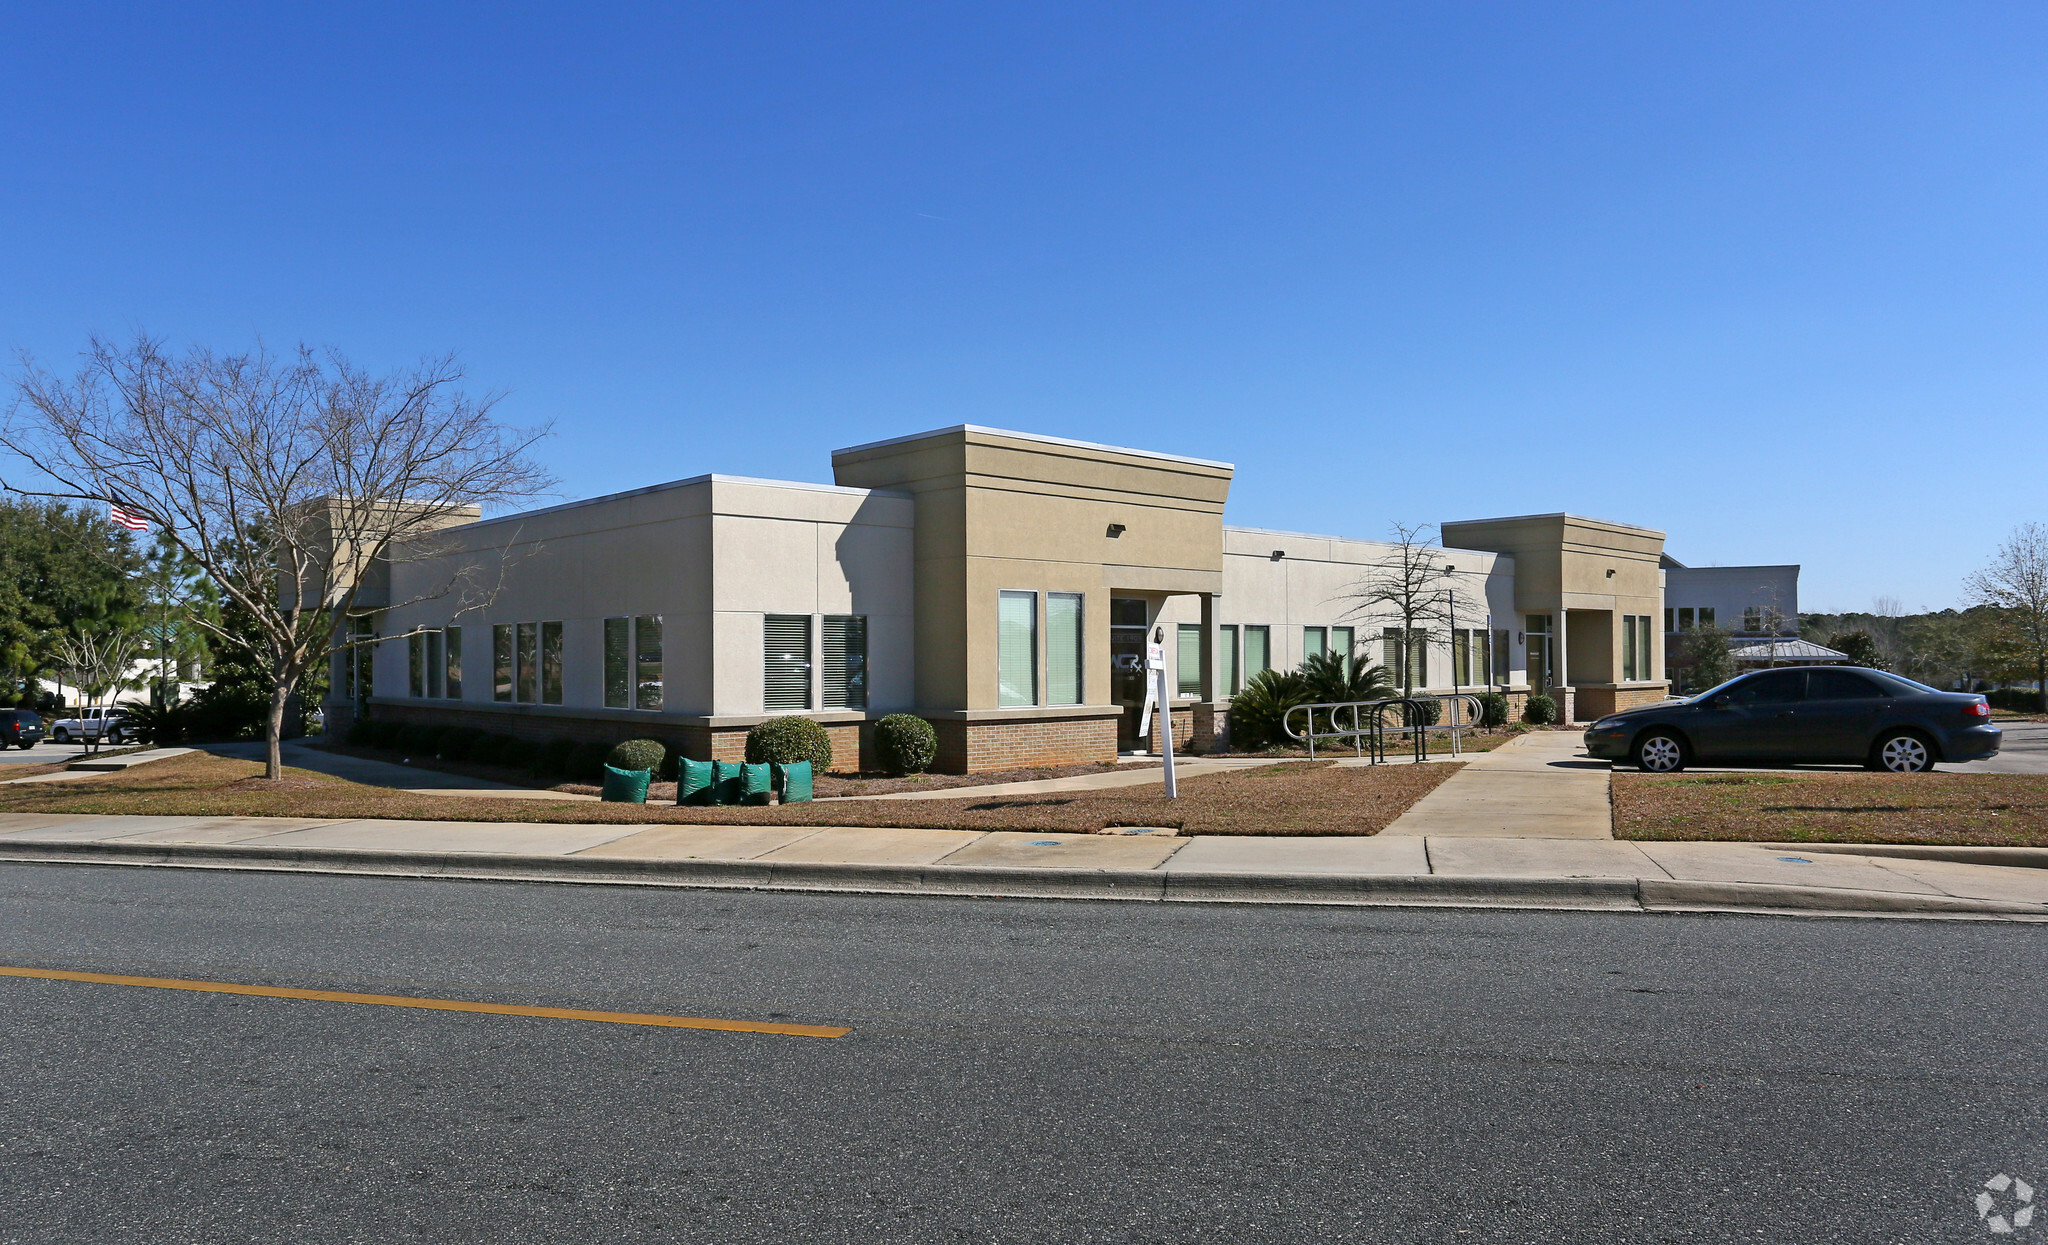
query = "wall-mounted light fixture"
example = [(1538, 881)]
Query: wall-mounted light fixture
[(1279, 554), (1116, 530), (1610, 572)]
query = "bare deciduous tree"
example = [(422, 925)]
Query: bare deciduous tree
[(287, 479), (2016, 583), (1409, 586), (96, 662)]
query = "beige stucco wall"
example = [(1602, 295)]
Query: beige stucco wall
[(709, 555), (1309, 587), (1002, 510)]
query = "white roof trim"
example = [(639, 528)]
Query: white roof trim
[(1040, 438), (709, 478)]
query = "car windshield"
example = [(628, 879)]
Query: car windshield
[(1721, 687)]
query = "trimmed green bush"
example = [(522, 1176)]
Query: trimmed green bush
[(456, 741), (783, 740), (557, 757), (1540, 711), (1493, 709), (647, 754), (384, 734), (905, 744), (1423, 713), (360, 733), (487, 748)]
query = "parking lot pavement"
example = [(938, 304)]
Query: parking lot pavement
[(44, 753)]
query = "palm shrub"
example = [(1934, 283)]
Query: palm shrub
[(159, 724), (647, 754), (1539, 711), (1334, 679), (790, 739), (905, 744), (1258, 709)]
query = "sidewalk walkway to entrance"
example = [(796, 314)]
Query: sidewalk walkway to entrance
[(1541, 786)]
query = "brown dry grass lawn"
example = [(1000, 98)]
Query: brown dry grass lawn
[(1287, 798), (1997, 810)]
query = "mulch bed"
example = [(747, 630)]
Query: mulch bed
[(834, 786), (1992, 810), (1312, 798)]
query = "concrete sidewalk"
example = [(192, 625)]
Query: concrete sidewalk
[(1541, 785), (1456, 869)]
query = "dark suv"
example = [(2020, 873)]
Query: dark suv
[(1806, 714), (22, 728)]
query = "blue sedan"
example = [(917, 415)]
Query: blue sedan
[(1803, 715)]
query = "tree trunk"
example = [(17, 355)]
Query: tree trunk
[(273, 729)]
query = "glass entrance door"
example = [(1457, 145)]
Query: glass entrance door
[(1538, 637), (1127, 667)]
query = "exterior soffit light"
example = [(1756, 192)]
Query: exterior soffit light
[(1116, 530), (1279, 554)]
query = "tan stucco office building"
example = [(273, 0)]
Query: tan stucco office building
[(999, 584)]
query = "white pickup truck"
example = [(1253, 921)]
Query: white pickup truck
[(91, 724)]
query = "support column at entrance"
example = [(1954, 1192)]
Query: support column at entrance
[(1560, 664)]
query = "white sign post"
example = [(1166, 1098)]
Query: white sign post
[(1155, 662)]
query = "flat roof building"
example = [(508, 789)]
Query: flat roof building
[(1002, 585)]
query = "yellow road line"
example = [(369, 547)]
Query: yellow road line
[(439, 1005)]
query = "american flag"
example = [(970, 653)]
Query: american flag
[(123, 518)]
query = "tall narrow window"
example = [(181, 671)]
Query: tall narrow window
[(1752, 619), (1418, 656), (1706, 615), (416, 664), (1017, 648), (1341, 643), (1392, 652), (529, 663), (1644, 669), (1628, 648), (785, 662), (453, 687), (1258, 651), (551, 663), (359, 659), (1461, 656), (1685, 618), (1063, 653), (1482, 655), (647, 661), (618, 663), (1187, 662), (501, 661), (1226, 660), (1315, 641), (435, 658), (1670, 619), (846, 661), (1501, 649)]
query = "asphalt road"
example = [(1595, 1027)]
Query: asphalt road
[(42, 754), (1018, 1071)]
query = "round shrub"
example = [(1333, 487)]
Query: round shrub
[(1424, 712), (456, 741), (647, 754), (905, 744), (359, 734), (486, 749), (1493, 709), (426, 740), (557, 756), (384, 734), (788, 740), (1540, 711)]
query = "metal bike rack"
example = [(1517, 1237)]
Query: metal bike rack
[(1368, 728)]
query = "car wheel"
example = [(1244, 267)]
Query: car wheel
[(1903, 753), (26, 746), (1660, 752), (61, 735)]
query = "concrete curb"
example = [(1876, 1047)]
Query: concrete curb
[(2022, 857), (1136, 885)]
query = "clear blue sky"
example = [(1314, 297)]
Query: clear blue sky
[(1769, 277)]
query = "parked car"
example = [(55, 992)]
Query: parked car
[(22, 728), (91, 724), (1804, 715)]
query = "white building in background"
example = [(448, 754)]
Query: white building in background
[(1751, 601)]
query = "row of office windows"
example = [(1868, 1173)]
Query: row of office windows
[(1247, 648), (1685, 618), (1018, 648), (787, 662), (526, 663)]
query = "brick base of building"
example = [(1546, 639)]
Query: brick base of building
[(1185, 738), (851, 741), (1593, 703), (980, 747)]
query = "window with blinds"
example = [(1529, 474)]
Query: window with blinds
[(551, 663), (1187, 661), (647, 661), (501, 661), (1258, 650), (1063, 653), (1341, 644), (453, 687), (1226, 658), (618, 663), (1017, 648), (846, 661), (785, 662)]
